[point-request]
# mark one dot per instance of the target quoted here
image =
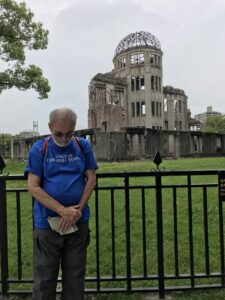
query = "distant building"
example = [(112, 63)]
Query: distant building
[(209, 113), (195, 125), (132, 94), (28, 134)]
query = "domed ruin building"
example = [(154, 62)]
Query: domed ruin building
[(132, 94), (132, 115)]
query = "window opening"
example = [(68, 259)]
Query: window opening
[(104, 126), (151, 59), (166, 125), (175, 105), (137, 83), (165, 103), (124, 61), (142, 82), (159, 61), (179, 106), (157, 109), (152, 83), (137, 58), (156, 83), (143, 108), (132, 83), (138, 109), (153, 108), (160, 84), (175, 125)]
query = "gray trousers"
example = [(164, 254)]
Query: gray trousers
[(51, 250)]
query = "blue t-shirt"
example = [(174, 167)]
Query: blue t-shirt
[(62, 175)]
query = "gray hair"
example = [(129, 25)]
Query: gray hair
[(63, 114)]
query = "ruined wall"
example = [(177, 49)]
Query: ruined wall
[(107, 103), (175, 114), (131, 143), (110, 146)]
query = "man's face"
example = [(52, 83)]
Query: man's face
[(62, 132)]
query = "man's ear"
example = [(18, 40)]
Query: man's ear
[(50, 127)]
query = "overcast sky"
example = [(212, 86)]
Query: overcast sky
[(84, 35)]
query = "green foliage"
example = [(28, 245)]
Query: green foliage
[(5, 141), (19, 32), (215, 124)]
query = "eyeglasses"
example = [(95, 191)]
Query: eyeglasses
[(61, 134)]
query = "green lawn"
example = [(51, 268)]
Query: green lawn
[(104, 211), (209, 163)]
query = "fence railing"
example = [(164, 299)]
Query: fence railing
[(150, 232)]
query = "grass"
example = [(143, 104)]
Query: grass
[(212, 163), (104, 211)]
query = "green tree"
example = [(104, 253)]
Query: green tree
[(5, 142), (215, 124), (19, 32)]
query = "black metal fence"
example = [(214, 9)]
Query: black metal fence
[(150, 231)]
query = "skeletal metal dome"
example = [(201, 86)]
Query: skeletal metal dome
[(137, 39)]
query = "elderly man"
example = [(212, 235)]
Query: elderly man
[(61, 178)]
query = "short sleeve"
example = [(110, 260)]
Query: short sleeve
[(35, 160), (90, 162)]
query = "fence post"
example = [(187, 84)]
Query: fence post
[(159, 220), (221, 199), (3, 238), (97, 235), (127, 216)]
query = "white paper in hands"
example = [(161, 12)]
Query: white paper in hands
[(54, 224)]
